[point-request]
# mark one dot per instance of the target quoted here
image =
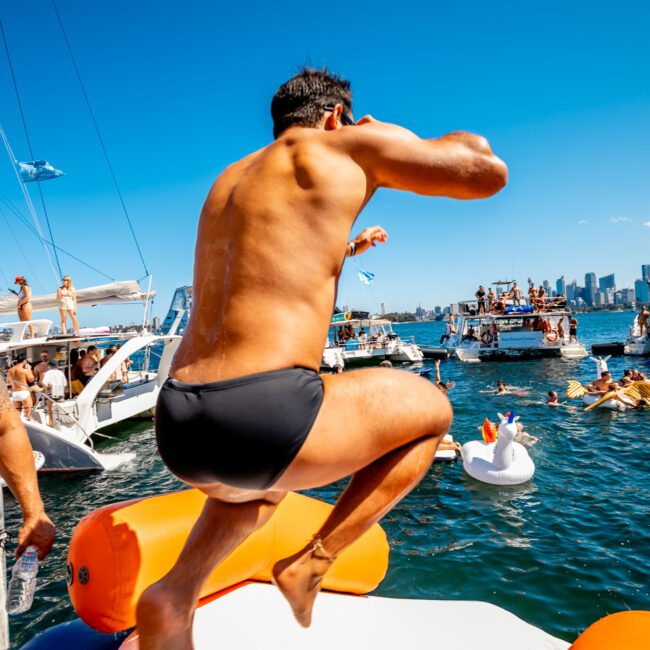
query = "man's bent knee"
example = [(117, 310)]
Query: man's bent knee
[(442, 414)]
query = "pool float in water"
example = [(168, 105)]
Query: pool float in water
[(116, 551), (446, 455), (639, 391), (504, 462)]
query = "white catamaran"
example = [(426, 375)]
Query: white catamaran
[(63, 430)]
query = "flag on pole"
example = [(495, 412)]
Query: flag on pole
[(365, 277), (36, 171)]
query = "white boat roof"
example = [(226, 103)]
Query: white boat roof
[(257, 616), (370, 321), (103, 294)]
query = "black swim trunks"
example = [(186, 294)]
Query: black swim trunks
[(242, 432)]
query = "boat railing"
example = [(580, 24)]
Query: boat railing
[(506, 306)]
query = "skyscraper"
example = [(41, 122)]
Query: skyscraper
[(572, 291), (590, 288), (645, 272), (607, 282), (642, 291), (547, 287), (560, 286)]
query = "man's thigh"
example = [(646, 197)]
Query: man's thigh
[(365, 415)]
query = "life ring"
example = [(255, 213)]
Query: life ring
[(498, 307), (487, 338), (552, 336)]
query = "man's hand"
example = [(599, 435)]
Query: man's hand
[(369, 237), (36, 531)]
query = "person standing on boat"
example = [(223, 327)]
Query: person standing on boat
[(516, 294), (20, 377), (24, 301), (480, 296), (573, 329), (67, 297), (272, 238), (642, 320), (490, 298)]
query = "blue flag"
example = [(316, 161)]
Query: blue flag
[(365, 277), (37, 170)]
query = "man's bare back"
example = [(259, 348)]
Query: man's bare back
[(273, 232)]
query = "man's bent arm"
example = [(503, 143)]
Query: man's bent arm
[(17, 468), (457, 165)]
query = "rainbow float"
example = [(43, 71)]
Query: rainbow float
[(118, 550)]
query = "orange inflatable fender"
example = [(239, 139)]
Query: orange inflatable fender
[(117, 551), (621, 631)]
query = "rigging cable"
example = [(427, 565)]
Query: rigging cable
[(29, 145), (99, 135), (62, 250), (22, 250), (28, 201)]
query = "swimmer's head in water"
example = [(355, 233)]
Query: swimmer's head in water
[(306, 97)]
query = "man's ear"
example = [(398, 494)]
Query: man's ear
[(333, 120)]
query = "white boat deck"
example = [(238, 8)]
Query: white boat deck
[(257, 616)]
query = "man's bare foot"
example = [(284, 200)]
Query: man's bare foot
[(163, 623), (299, 578)]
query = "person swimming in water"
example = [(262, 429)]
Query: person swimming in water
[(552, 399), (272, 238)]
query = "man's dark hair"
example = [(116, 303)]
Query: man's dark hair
[(91, 348), (301, 101)]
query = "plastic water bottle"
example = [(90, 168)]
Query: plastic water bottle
[(22, 586)]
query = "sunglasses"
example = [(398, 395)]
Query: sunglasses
[(345, 118)]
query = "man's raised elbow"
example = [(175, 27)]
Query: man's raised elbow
[(495, 175)]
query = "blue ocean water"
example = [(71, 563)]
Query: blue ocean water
[(561, 551)]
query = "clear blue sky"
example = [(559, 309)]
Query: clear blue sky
[(180, 90)]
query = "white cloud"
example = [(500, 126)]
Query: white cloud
[(582, 222), (620, 219), (646, 224)]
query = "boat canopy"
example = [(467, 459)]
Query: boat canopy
[(103, 294)]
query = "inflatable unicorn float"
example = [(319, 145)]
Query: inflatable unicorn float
[(622, 399), (499, 460)]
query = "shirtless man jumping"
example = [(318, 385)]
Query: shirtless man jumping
[(245, 416)]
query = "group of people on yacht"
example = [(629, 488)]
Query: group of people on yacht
[(66, 296), (347, 333), (488, 302), (30, 384)]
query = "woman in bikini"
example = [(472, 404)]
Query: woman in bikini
[(67, 297)]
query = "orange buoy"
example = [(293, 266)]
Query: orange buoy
[(621, 631), (117, 551)]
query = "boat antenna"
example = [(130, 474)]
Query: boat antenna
[(99, 135), (31, 153)]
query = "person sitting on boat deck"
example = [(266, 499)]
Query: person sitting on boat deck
[(88, 365), (642, 320), (17, 469), (259, 224), (55, 385), (537, 324), (340, 335), (363, 337), (470, 335), (444, 386), (480, 296), (350, 331), (20, 376), (573, 330), (66, 294), (125, 365), (450, 329), (516, 294), (626, 380), (24, 305), (108, 353), (552, 399)]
